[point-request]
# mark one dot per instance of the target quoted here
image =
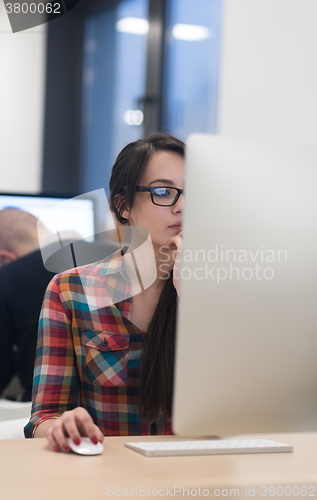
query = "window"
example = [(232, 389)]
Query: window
[(191, 67), (145, 68), (113, 83)]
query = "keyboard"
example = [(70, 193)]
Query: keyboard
[(208, 447)]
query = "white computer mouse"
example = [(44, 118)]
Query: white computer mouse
[(86, 447)]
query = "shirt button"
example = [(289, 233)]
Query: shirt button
[(105, 342)]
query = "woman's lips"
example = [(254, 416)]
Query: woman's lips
[(176, 226)]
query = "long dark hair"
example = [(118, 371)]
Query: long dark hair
[(156, 371)]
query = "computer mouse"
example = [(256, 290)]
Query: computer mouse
[(86, 447)]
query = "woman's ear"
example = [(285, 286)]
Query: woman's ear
[(119, 201), (126, 213)]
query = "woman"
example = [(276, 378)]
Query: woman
[(88, 380)]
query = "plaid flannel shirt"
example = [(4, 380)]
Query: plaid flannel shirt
[(89, 356)]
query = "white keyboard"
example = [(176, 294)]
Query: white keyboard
[(208, 447)]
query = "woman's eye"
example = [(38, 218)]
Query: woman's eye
[(161, 192)]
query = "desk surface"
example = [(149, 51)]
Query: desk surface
[(29, 470)]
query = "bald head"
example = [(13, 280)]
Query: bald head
[(18, 234)]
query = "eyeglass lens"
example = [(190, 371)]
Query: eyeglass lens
[(164, 196)]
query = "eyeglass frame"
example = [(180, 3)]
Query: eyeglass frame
[(150, 189)]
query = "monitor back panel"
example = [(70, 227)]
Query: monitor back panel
[(246, 352)]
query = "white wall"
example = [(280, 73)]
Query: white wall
[(269, 69), (22, 78)]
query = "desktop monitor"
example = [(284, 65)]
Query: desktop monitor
[(56, 212), (246, 338)]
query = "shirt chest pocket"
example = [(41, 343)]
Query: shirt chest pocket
[(107, 355)]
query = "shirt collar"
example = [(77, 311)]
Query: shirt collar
[(114, 264)]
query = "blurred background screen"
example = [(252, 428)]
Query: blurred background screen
[(74, 215)]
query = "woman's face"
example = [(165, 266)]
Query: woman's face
[(164, 169)]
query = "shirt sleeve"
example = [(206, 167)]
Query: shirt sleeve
[(55, 383)]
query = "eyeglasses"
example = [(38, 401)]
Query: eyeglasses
[(162, 196)]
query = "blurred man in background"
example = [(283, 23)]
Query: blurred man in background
[(18, 234), (23, 281)]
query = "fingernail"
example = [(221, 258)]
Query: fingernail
[(77, 441), (94, 440), (65, 447), (56, 448)]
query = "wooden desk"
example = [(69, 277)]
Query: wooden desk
[(30, 471)]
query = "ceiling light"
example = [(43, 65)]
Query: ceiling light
[(133, 117), (190, 32), (133, 25)]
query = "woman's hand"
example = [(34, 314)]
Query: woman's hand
[(176, 242), (74, 424)]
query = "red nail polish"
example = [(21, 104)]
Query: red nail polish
[(94, 440), (77, 441), (56, 448), (65, 447)]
